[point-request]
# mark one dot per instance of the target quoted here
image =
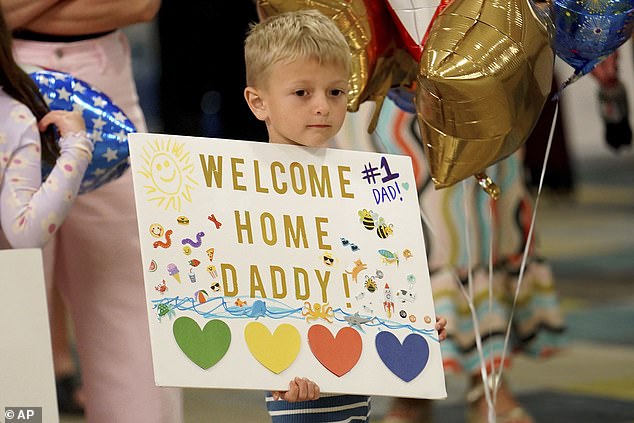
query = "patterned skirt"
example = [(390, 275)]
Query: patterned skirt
[(475, 247)]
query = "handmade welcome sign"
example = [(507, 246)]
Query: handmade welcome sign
[(264, 262)]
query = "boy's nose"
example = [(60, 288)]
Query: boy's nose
[(321, 105)]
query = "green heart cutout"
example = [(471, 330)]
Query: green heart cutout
[(204, 347), (405, 185)]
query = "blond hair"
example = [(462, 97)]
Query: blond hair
[(302, 34)]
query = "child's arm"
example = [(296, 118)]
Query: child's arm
[(299, 389), (78, 16), (32, 211)]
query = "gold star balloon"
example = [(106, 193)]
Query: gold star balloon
[(484, 76)]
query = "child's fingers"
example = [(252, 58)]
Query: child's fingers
[(313, 391), (46, 121), (307, 389), (441, 324), (302, 388), (292, 394), (64, 120)]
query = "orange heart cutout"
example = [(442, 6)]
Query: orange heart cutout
[(338, 354)]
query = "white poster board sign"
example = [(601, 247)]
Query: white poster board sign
[(27, 380), (264, 262)]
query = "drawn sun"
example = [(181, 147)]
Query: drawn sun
[(168, 169)]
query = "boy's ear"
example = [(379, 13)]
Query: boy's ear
[(255, 102)]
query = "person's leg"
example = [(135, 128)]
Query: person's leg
[(69, 395), (507, 409), (62, 356), (98, 263), (409, 410), (70, 399), (99, 268)]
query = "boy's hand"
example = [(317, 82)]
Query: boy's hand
[(66, 122), (441, 322), (299, 389)]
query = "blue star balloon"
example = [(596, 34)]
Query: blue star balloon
[(106, 125), (587, 31)]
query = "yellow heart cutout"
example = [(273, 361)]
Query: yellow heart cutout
[(276, 352)]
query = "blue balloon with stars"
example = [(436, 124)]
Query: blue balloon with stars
[(106, 125), (587, 31)]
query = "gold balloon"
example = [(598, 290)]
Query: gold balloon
[(377, 63), (483, 79)]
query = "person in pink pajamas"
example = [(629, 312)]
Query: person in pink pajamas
[(31, 210), (95, 259)]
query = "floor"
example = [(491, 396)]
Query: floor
[(589, 239)]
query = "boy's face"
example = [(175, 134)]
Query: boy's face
[(302, 103)]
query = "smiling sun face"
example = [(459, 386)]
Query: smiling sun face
[(168, 168)]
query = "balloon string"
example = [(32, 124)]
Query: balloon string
[(469, 298), (474, 317), (490, 390), (492, 362), (472, 309), (467, 238), (573, 78), (528, 239)]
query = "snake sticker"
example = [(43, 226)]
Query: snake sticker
[(167, 243), (195, 244)]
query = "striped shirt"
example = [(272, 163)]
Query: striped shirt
[(328, 408)]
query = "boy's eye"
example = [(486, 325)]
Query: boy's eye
[(337, 92), (301, 93)]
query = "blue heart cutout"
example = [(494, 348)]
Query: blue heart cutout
[(407, 360)]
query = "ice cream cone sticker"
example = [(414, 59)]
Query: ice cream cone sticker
[(174, 272)]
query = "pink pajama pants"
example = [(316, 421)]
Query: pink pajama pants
[(95, 257)]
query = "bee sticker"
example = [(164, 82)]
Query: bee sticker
[(370, 283), (371, 221), (383, 230), (368, 218)]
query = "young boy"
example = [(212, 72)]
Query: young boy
[(297, 67)]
